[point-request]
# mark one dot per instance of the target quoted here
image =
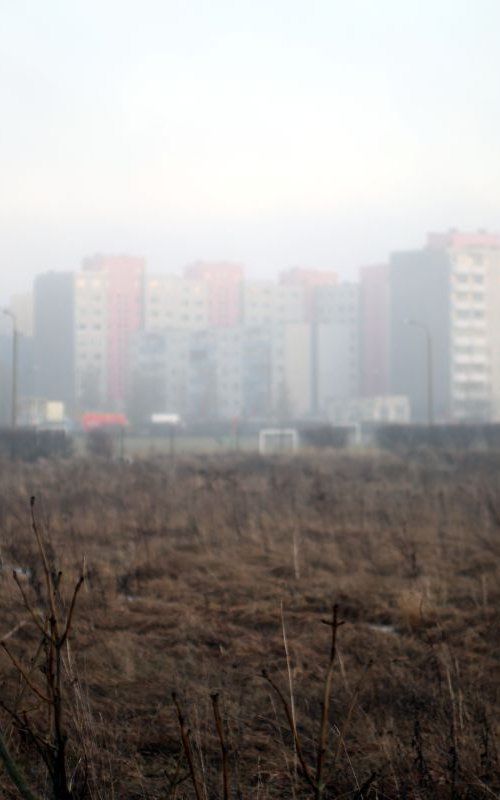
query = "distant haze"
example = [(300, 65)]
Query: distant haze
[(273, 133)]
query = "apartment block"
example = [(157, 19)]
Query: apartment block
[(174, 302), (54, 337), (474, 299), (214, 385), (91, 340), (158, 373), (256, 372), (419, 308), (224, 283), (122, 280), (291, 371), (336, 347), (268, 303), (215, 374), (311, 282), (445, 301), (82, 327), (374, 344)]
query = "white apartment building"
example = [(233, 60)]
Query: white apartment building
[(475, 324), (158, 372), (214, 374), (336, 346), (90, 339), (475, 333), (171, 301), (270, 303), (291, 370)]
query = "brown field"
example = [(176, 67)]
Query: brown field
[(201, 574)]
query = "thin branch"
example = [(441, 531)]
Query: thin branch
[(22, 672), (289, 673), (46, 568), (187, 748), (325, 707), (14, 630), (29, 607), (23, 725), (70, 614)]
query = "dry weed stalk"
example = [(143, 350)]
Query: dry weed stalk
[(186, 744), (290, 681), (314, 777), (54, 627), (223, 746)]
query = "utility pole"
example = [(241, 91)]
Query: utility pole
[(13, 406), (429, 367)]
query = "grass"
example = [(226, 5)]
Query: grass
[(203, 572)]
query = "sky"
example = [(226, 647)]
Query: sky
[(275, 133)]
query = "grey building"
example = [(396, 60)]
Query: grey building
[(420, 303), (336, 347), (54, 337)]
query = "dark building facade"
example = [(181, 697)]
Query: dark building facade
[(54, 345), (419, 286)]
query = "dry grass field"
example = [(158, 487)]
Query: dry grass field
[(202, 574)]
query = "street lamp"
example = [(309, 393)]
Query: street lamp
[(13, 407), (430, 378)]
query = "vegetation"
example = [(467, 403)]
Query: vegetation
[(319, 627)]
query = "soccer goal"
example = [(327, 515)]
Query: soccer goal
[(278, 440)]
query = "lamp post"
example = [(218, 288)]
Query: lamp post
[(13, 407), (430, 375)]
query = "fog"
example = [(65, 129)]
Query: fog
[(269, 134), (326, 136)]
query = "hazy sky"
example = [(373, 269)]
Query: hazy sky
[(273, 132)]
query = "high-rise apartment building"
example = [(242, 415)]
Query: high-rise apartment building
[(158, 373), (474, 322), (91, 352), (54, 337), (374, 307), (256, 372), (269, 303), (224, 284), (174, 302), (445, 302), (311, 282), (121, 285), (82, 327), (291, 371), (420, 307), (336, 347)]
